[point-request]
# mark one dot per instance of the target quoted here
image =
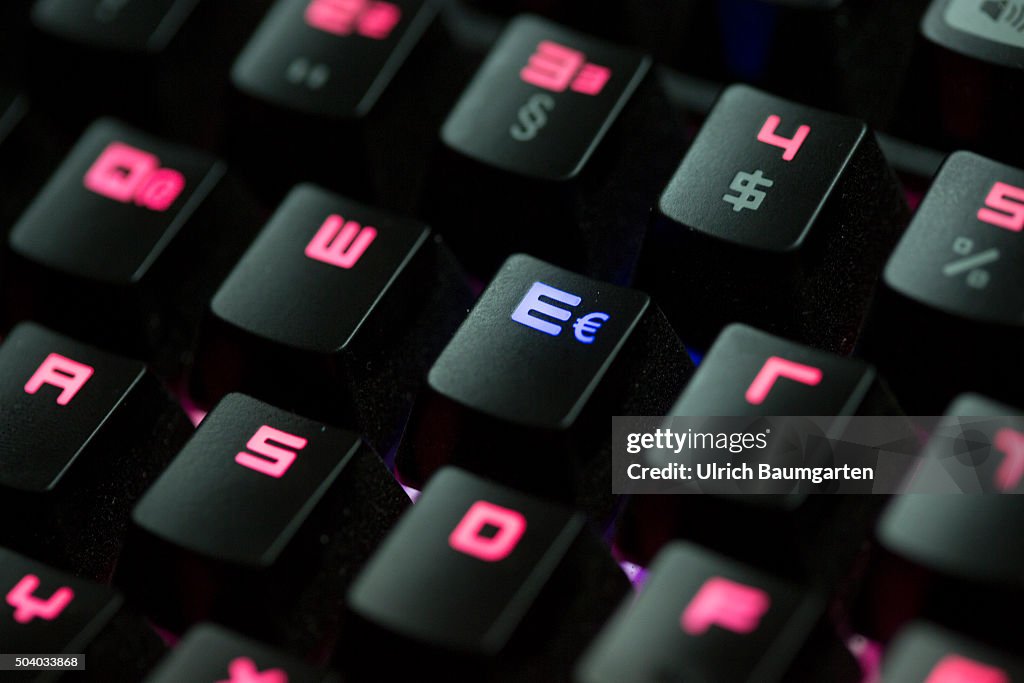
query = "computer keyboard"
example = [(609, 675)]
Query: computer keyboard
[(315, 314)]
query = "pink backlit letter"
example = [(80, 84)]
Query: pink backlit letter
[(790, 145), (957, 669), (62, 372), (774, 368), (1005, 207), (343, 250), (28, 607), (124, 173), (341, 17), (555, 67), (243, 670), (467, 536), (276, 460), (725, 603), (1011, 470)]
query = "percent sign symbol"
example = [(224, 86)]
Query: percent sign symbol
[(971, 263)]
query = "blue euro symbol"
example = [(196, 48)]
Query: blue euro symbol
[(587, 326)]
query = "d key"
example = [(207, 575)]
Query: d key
[(474, 567), (770, 205)]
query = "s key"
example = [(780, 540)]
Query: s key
[(478, 578), (950, 316), (261, 510), (126, 241), (780, 216), (82, 432), (703, 617), (542, 360), (539, 134)]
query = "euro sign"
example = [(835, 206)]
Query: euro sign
[(587, 326)]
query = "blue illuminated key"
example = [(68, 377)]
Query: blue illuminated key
[(544, 357)]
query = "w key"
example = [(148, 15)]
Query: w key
[(780, 216), (126, 241), (545, 118), (238, 526), (330, 299), (82, 432)]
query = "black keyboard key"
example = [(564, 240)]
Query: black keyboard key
[(749, 372), (539, 135), (126, 242), (136, 60), (703, 617), (544, 357), (247, 520), (925, 653), (953, 290), (82, 433), (336, 310), (481, 576), (212, 653), (954, 558), (779, 216), (46, 612), (316, 71), (967, 78)]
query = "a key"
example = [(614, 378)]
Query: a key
[(137, 60), (749, 372), (324, 74), (701, 616), (542, 360), (82, 433), (779, 216), (926, 653), (213, 653), (539, 135), (947, 548), (950, 317), (126, 242), (967, 76), (47, 612), (359, 304), (259, 522), (477, 576)]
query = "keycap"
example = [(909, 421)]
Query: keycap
[(542, 360), (540, 134), (317, 72), (137, 61), (126, 241), (751, 373), (947, 548), (926, 653), (82, 434), (335, 311), (213, 653), (949, 316), (701, 616), (968, 74), (262, 511), (48, 612), (779, 216), (478, 577)]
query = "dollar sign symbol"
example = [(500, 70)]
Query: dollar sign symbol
[(532, 117)]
